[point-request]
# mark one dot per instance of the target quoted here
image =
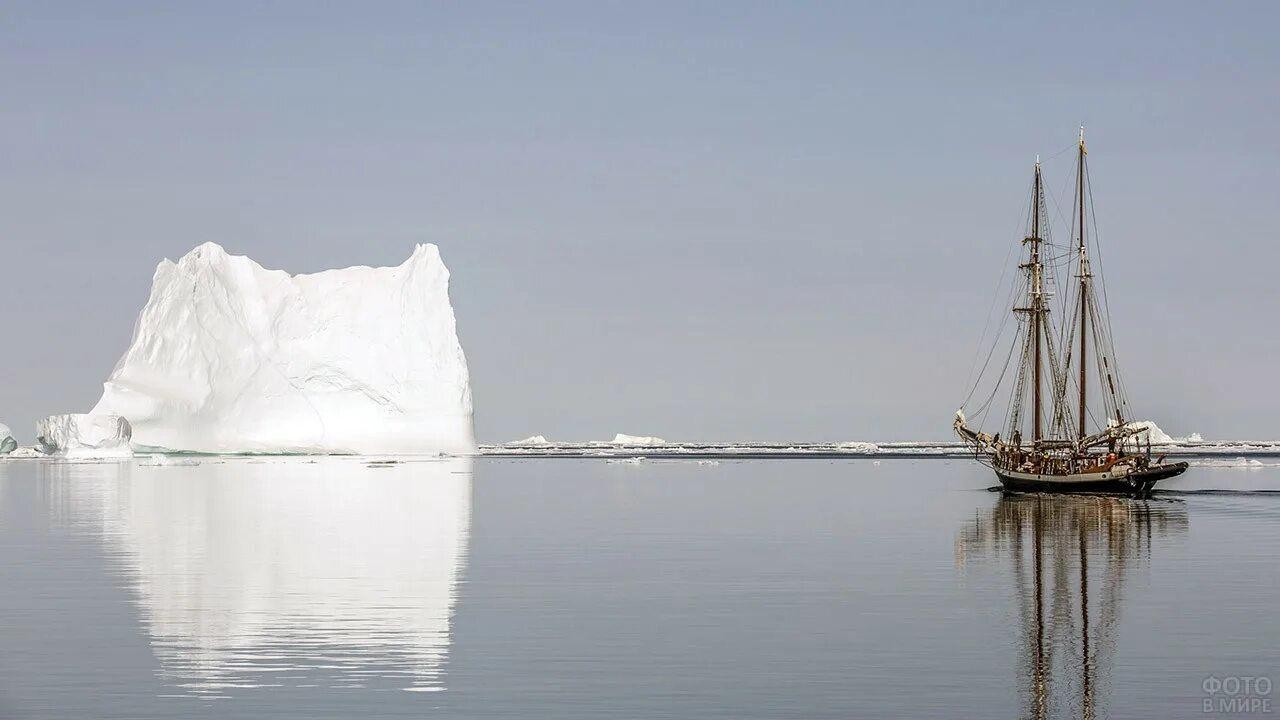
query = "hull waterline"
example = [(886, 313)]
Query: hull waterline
[(1132, 483)]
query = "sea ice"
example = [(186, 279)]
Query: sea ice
[(7, 442), (165, 461), (229, 357), (1239, 462), (857, 446), (84, 436), (621, 439)]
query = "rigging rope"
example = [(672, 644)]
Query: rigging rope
[(972, 381)]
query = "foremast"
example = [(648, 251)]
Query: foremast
[(1037, 309)]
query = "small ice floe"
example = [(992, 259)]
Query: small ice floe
[(164, 461), (858, 447), (26, 452), (708, 462), (625, 461), (1239, 463), (645, 440)]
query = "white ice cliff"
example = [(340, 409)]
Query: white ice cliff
[(229, 357), (84, 436), (7, 442)]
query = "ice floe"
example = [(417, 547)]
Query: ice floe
[(638, 440)]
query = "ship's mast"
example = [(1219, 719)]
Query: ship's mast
[(1084, 285), (1037, 308)]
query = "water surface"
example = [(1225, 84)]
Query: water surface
[(563, 588)]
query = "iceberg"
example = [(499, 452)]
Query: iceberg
[(85, 436), (7, 442), (622, 439), (1160, 437), (531, 440), (228, 357)]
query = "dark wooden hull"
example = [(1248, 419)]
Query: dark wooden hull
[(1136, 483)]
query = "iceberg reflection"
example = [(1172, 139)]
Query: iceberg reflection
[(299, 572)]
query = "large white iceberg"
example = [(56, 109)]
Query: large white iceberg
[(85, 436), (229, 357), (7, 442)]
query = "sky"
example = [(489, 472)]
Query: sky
[(704, 221)]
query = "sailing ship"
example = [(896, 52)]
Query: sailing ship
[(1065, 444)]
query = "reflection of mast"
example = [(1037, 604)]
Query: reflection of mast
[(1086, 666), (1063, 531), (1040, 671)]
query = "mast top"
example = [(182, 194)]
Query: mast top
[(1082, 147)]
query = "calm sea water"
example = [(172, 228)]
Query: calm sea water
[(585, 589)]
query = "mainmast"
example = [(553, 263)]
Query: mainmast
[(1037, 307), (1084, 285)]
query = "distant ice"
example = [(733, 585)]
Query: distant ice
[(1160, 437), (1243, 463), (531, 440), (642, 440), (657, 448), (85, 437)]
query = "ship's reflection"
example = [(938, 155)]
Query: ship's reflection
[(1069, 557), (286, 572)]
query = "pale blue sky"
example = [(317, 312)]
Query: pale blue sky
[(704, 221)]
